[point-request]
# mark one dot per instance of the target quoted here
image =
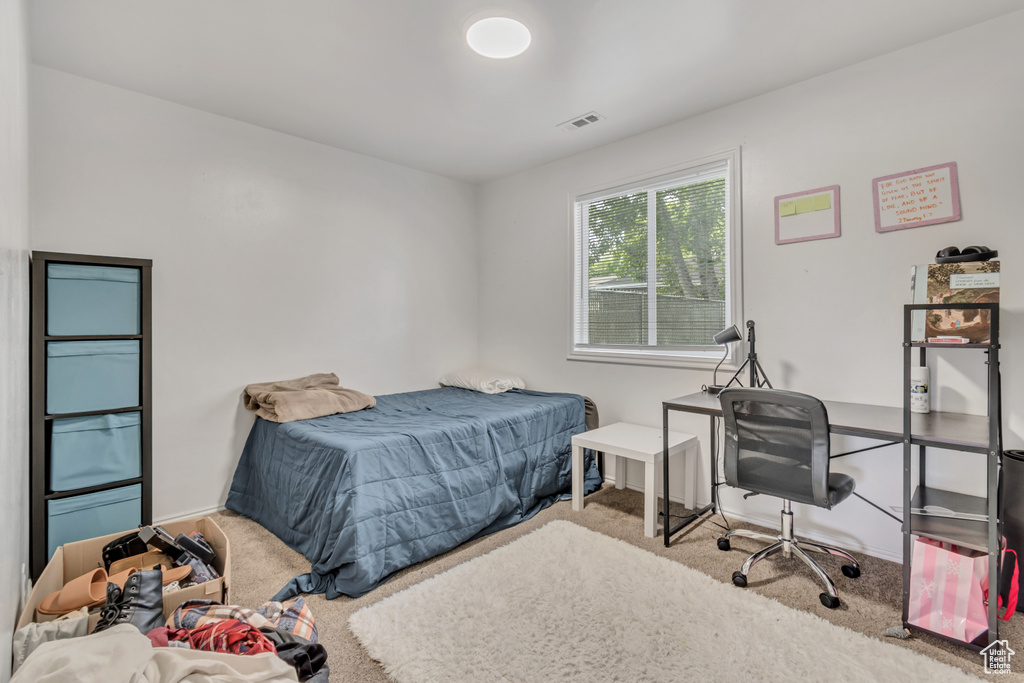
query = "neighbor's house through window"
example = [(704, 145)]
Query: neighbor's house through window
[(656, 271)]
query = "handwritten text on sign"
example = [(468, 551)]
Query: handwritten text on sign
[(922, 197)]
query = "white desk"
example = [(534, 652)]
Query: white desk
[(634, 442)]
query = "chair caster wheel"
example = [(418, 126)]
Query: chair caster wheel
[(739, 579), (851, 571), (723, 544), (829, 601)]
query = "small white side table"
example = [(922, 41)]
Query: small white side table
[(631, 441)]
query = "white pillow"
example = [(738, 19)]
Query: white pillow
[(479, 379)]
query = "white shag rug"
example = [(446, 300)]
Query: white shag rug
[(564, 603)]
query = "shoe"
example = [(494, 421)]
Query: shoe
[(140, 603), (88, 590)]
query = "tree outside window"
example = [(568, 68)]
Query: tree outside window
[(653, 264)]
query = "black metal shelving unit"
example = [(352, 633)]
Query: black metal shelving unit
[(43, 418), (976, 523)]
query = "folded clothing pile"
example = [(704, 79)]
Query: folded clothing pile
[(304, 398)]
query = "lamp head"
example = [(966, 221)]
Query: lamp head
[(728, 336)]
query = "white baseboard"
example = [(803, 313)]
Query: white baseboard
[(190, 515), (846, 544), (769, 522), (773, 522)]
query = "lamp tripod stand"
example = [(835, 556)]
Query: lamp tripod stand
[(758, 378)]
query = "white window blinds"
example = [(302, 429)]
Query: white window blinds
[(652, 263)]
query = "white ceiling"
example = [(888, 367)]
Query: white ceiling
[(394, 79)]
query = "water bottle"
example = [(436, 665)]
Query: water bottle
[(919, 402)]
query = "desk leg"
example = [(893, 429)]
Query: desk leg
[(577, 478), (666, 522), (650, 500), (696, 516), (714, 466), (619, 465)]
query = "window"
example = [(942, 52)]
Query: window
[(656, 265)]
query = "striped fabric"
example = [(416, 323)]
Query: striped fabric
[(292, 616)]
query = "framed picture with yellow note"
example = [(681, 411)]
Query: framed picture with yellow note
[(808, 215)]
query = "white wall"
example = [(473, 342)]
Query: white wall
[(829, 312), (273, 257), (14, 242)]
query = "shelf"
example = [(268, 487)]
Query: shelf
[(957, 431), (92, 337), (969, 533), (934, 345), (969, 507), (960, 532), (968, 524), (87, 306), (90, 413), (57, 495)]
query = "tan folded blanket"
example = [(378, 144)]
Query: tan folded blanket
[(304, 398)]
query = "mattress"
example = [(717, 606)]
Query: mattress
[(362, 495)]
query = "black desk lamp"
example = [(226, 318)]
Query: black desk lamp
[(724, 338), (757, 374)]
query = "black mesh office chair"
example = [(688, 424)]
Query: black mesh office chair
[(777, 443)]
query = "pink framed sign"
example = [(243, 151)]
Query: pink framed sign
[(924, 196), (810, 215)]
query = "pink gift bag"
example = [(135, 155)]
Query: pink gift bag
[(946, 594)]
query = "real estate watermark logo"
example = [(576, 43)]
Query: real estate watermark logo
[(997, 657)]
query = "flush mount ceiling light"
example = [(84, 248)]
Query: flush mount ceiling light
[(498, 37)]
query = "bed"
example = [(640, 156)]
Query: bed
[(364, 494)]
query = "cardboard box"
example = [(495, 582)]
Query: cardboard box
[(74, 559)]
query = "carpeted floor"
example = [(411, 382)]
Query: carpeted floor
[(517, 613), (261, 564)]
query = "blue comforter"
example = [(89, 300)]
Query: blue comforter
[(365, 494)]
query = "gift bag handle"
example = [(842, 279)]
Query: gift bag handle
[(1011, 597)]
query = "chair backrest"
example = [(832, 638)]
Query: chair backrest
[(777, 443)]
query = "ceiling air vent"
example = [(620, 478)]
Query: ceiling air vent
[(577, 122)]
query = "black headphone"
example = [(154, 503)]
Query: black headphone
[(954, 255)]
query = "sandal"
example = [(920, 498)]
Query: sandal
[(144, 561), (151, 560), (176, 574), (119, 578), (88, 590)]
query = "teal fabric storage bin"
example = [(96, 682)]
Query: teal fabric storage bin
[(91, 515), (99, 449), (83, 300), (83, 376)]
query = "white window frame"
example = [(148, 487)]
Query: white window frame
[(697, 358)]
